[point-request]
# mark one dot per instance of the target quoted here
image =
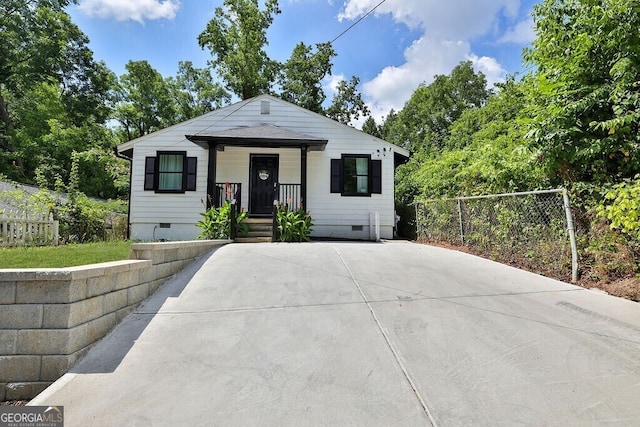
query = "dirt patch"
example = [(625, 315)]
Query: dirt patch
[(623, 288)]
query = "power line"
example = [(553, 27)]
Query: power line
[(357, 22)]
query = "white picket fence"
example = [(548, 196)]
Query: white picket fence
[(19, 229)]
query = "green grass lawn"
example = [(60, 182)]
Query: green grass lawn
[(63, 256)]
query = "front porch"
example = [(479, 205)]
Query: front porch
[(258, 168), (261, 226)]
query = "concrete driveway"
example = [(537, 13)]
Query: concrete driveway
[(360, 334)]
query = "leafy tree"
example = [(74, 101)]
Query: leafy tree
[(387, 126), (585, 99), (30, 49), (194, 92), (423, 124), (301, 76), (144, 101), (40, 44), (101, 174), (371, 127), (236, 37), (46, 139), (486, 152), (347, 104)]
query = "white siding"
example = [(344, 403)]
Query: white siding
[(333, 214), (150, 209)]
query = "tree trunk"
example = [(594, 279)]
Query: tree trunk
[(4, 116), (5, 136)]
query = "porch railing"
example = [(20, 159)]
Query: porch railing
[(227, 192), (289, 195)]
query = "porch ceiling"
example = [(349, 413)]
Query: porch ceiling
[(263, 135)]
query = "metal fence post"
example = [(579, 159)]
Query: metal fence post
[(572, 235), (418, 222), (460, 221)]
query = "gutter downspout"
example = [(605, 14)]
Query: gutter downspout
[(130, 160)]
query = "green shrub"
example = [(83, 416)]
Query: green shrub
[(81, 219), (217, 222), (622, 208), (293, 225)]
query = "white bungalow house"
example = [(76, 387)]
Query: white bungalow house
[(259, 151)]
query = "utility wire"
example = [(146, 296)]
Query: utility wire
[(357, 22)]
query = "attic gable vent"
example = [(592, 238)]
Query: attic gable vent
[(265, 107)]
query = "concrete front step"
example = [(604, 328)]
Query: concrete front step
[(257, 233), (261, 228), (260, 231), (254, 220), (260, 239)]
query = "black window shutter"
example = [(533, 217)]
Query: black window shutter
[(192, 163), (376, 176), (336, 175), (149, 172)]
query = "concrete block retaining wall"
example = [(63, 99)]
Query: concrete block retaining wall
[(50, 317)]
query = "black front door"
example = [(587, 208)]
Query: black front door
[(263, 174)]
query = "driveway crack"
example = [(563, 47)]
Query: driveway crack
[(394, 352)]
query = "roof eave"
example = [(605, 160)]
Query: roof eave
[(222, 141)]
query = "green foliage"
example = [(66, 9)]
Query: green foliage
[(302, 74), (293, 225), (101, 174), (622, 208), (81, 219), (423, 124), (59, 103), (194, 92), (38, 203), (40, 45), (584, 95), (144, 102), (347, 104), (485, 152), (217, 222), (371, 127), (605, 255), (236, 37), (46, 136)]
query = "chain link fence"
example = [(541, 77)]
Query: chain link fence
[(532, 230)]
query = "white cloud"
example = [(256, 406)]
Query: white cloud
[(135, 10), (330, 84), (447, 27), (449, 19), (425, 58), (493, 71), (522, 33)]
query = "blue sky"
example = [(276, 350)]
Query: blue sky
[(402, 44)]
